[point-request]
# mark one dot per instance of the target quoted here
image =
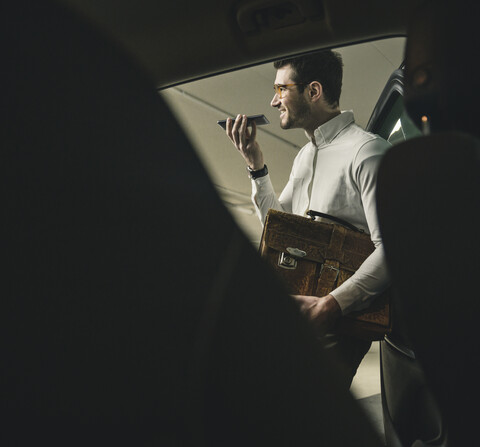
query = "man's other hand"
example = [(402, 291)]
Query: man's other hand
[(322, 312)]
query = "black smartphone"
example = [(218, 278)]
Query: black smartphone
[(259, 120)]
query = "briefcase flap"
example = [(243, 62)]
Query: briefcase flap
[(311, 240)]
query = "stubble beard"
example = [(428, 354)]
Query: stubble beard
[(297, 116)]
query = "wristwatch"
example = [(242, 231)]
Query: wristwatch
[(258, 173)]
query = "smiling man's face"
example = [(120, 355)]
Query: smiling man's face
[(293, 106)]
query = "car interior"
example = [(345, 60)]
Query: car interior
[(136, 309)]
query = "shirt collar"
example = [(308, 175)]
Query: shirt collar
[(327, 132)]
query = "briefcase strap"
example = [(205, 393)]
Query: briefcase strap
[(314, 214), (328, 277)]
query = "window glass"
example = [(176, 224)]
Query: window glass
[(397, 126)]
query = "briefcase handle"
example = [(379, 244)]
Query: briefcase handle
[(314, 214)]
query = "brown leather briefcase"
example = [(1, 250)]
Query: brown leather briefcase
[(313, 258)]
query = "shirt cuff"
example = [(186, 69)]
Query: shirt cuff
[(350, 297), (261, 187), (262, 183)]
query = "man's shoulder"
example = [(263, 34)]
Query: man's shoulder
[(362, 140), (362, 136)]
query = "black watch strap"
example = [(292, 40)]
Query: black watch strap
[(258, 173)]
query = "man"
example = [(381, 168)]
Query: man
[(334, 173)]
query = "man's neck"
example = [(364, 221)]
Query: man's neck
[(322, 118)]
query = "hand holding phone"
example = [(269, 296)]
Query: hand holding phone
[(244, 140)]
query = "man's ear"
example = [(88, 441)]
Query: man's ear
[(315, 91)]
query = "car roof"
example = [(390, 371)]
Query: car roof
[(183, 40)]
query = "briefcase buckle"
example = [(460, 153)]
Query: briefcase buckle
[(287, 260), (331, 267)]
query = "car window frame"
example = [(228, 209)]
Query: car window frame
[(386, 102)]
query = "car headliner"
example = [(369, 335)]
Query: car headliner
[(183, 40)]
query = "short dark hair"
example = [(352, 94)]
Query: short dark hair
[(324, 66)]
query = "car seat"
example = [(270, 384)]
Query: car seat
[(428, 197)]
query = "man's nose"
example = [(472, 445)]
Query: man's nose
[(275, 102)]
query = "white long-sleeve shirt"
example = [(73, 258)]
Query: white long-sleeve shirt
[(335, 173)]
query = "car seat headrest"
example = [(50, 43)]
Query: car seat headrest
[(439, 79)]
